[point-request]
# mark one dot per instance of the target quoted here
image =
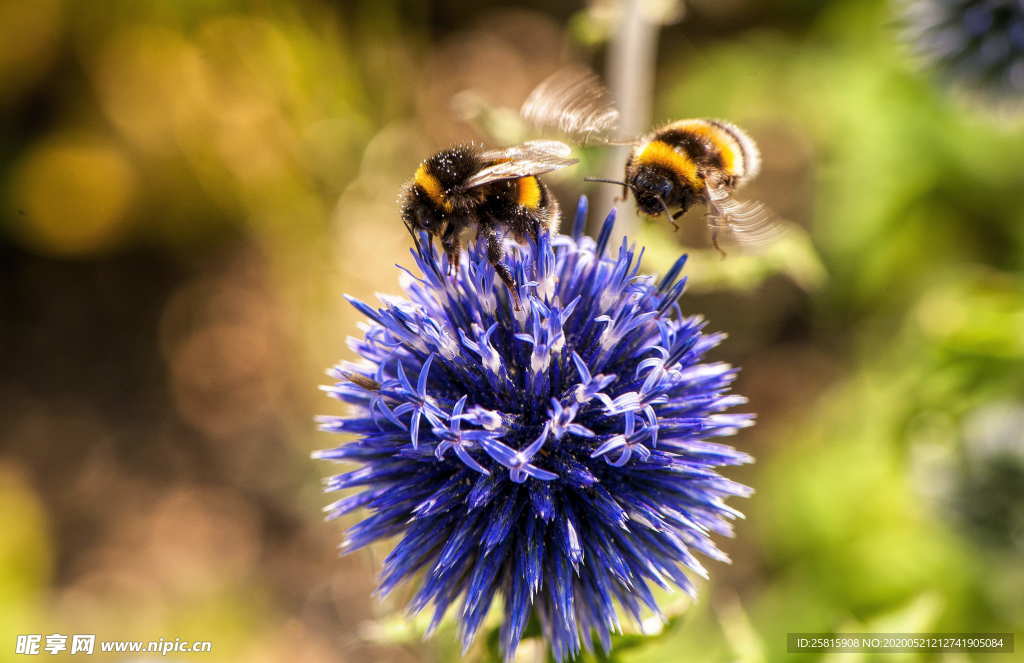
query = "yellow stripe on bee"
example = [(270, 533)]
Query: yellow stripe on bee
[(664, 155), (529, 192), (431, 187), (727, 146)]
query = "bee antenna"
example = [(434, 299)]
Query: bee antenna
[(606, 181), (412, 233), (416, 239)]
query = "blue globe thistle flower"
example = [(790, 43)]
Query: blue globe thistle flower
[(976, 44), (557, 456), (977, 485)]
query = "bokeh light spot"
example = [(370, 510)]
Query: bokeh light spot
[(73, 196)]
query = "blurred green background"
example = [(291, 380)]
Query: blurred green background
[(188, 186)]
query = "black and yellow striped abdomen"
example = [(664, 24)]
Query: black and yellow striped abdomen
[(528, 192), (697, 148), (525, 205)]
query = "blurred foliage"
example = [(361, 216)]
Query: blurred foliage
[(189, 186)]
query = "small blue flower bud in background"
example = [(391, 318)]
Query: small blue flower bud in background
[(559, 456), (975, 44)]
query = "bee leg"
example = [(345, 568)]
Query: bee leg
[(672, 220), (450, 243), (534, 229), (714, 243), (495, 252)]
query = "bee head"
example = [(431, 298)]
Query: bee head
[(655, 190), (419, 213)]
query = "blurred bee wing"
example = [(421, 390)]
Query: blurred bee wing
[(533, 149), (575, 102), (749, 223), (534, 164)]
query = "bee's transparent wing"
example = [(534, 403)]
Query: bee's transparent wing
[(575, 102), (749, 223), (532, 158), (533, 149)]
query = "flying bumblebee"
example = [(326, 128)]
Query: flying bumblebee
[(672, 168), (499, 191)]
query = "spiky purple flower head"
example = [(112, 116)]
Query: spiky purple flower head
[(557, 456), (976, 44)]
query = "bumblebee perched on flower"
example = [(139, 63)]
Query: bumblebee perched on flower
[(499, 191), (672, 168)]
